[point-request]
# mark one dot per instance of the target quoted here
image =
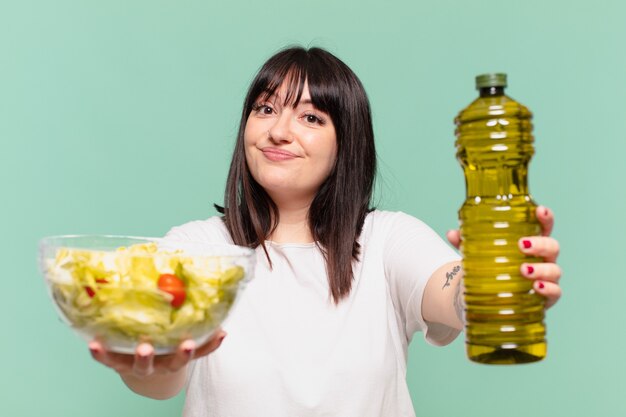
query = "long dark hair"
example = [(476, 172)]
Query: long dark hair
[(339, 208)]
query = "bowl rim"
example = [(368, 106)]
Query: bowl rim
[(48, 241)]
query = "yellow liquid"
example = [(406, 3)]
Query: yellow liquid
[(504, 317)]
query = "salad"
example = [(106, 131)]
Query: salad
[(142, 293)]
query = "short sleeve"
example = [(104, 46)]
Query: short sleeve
[(411, 254), (211, 230)]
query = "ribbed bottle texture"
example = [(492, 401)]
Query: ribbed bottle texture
[(504, 317)]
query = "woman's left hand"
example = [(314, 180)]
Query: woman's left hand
[(545, 274)]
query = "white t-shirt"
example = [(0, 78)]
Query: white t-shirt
[(291, 352)]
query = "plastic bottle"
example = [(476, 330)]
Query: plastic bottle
[(504, 317)]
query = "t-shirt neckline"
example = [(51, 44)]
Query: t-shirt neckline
[(290, 245)]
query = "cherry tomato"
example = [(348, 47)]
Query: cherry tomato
[(174, 286)]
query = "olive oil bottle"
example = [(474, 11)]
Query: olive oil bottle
[(504, 316)]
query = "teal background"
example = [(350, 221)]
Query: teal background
[(118, 117)]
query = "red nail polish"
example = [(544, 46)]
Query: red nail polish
[(526, 243), (545, 212), (541, 286), (529, 269), (188, 351)]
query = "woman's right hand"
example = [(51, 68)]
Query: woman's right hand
[(144, 363)]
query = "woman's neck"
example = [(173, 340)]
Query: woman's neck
[(293, 225)]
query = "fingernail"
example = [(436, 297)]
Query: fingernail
[(541, 285), (144, 350), (545, 212), (94, 349), (189, 347), (526, 243), (529, 269)]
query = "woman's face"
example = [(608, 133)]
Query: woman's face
[(290, 151)]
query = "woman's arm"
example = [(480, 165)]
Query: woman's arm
[(443, 298), (159, 377), (157, 386)]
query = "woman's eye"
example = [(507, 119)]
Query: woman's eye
[(262, 109), (313, 119)]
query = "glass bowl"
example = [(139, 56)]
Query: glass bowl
[(125, 290)]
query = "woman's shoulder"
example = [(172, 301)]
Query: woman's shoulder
[(393, 228), (211, 230), (389, 220)]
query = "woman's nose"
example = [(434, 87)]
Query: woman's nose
[(281, 131)]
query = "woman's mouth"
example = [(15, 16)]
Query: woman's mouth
[(274, 154)]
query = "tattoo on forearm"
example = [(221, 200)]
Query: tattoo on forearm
[(450, 276), (458, 304)]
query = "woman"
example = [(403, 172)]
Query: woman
[(339, 288)]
